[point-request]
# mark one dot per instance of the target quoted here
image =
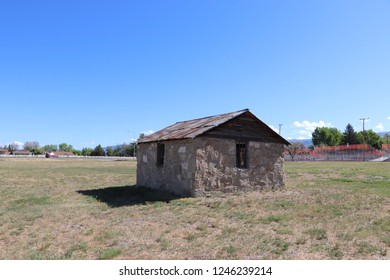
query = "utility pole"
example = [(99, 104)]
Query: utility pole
[(280, 129), (364, 138), (134, 143), (364, 119)]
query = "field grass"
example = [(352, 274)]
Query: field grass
[(75, 209)]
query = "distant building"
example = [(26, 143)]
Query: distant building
[(22, 153), (229, 152), (57, 154)]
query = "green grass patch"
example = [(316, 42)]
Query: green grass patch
[(83, 247), (317, 233), (279, 246), (231, 250), (273, 219), (164, 243), (27, 202), (335, 252), (109, 253), (365, 248)]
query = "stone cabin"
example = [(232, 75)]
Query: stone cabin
[(229, 152)]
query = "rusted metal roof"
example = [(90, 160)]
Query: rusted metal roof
[(190, 129), (194, 128)]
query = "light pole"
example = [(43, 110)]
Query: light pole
[(135, 143), (364, 119), (280, 129), (364, 138)]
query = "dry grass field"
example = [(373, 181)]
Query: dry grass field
[(76, 209)]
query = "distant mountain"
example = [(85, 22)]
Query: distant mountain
[(383, 133), (113, 147), (306, 142)]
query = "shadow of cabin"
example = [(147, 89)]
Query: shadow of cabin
[(128, 195)]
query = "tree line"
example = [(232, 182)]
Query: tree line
[(330, 136), (122, 150)]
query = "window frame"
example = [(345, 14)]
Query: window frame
[(160, 154), (242, 155)]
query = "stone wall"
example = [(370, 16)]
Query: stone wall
[(195, 167), (176, 174), (216, 166)]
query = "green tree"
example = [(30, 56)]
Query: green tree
[(386, 138), (110, 151), (13, 147), (50, 148), (371, 138), (98, 151), (33, 146), (326, 136), (77, 152), (86, 151), (128, 149), (65, 147), (349, 135), (142, 135)]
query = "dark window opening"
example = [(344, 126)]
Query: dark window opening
[(160, 154), (241, 155)]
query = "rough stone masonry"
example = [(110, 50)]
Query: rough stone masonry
[(198, 166)]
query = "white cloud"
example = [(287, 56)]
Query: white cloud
[(274, 128), (380, 127), (305, 134), (19, 145), (311, 126), (148, 132), (307, 128), (388, 118)]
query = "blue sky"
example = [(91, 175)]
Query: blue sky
[(101, 72)]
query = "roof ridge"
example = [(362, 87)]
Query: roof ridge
[(196, 127), (214, 116)]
